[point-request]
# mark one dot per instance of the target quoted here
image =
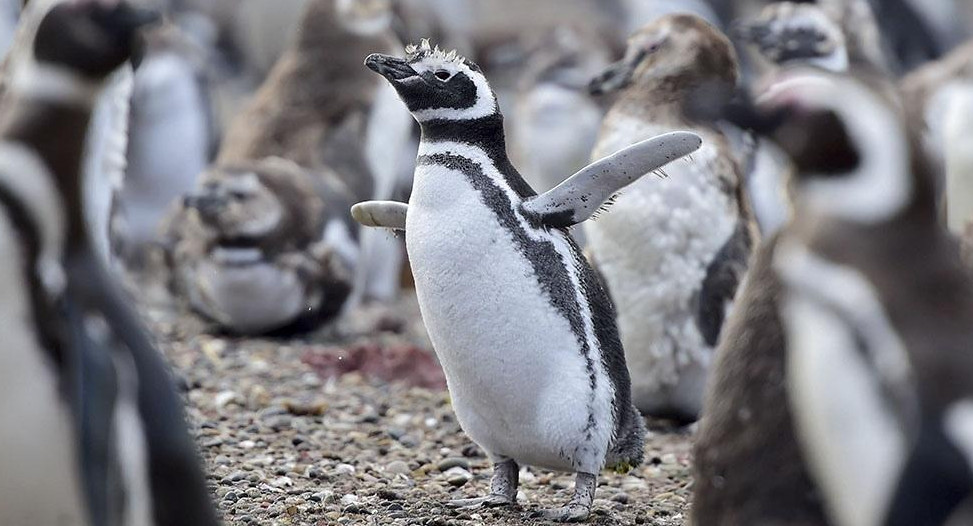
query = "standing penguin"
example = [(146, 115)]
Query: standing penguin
[(672, 255), (521, 324), (877, 308), (93, 429)]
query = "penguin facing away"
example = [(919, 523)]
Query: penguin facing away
[(876, 307), (671, 255), (521, 324), (98, 435)]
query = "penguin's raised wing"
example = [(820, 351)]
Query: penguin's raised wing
[(581, 195), (381, 214)]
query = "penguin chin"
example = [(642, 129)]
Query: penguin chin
[(365, 18)]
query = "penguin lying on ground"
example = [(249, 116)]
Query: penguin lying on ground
[(93, 430), (671, 254), (305, 139), (877, 308), (264, 246), (521, 324)]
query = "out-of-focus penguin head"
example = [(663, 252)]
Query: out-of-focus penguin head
[(682, 49), (436, 85), (848, 140), (365, 17), (237, 205), (792, 33), (89, 37)]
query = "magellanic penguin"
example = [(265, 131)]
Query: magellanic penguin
[(264, 246), (671, 254), (93, 429), (521, 324), (877, 309)]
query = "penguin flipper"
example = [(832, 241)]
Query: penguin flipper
[(582, 195), (381, 214)]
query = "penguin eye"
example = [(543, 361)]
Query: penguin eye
[(443, 75)]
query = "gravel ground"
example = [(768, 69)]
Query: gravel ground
[(286, 442)]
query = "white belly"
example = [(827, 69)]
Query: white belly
[(250, 298), (653, 247), (516, 374), (39, 479)]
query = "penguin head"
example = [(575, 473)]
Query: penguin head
[(848, 139), (89, 37), (791, 33), (436, 85), (677, 50), (247, 203)]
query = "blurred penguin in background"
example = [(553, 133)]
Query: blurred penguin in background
[(94, 432), (168, 145), (876, 307), (937, 97)]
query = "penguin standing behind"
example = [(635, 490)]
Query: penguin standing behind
[(93, 429), (169, 141), (521, 324), (934, 96), (877, 309), (671, 254)]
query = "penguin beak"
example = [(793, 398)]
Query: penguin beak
[(614, 78), (392, 68)]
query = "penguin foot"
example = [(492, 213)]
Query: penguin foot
[(503, 488), (490, 501), (571, 513), (580, 506)]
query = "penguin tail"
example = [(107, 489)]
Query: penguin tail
[(627, 449)]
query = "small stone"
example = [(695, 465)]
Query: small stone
[(386, 494), (621, 497), (223, 398), (221, 460), (453, 462), (398, 467), (349, 499), (247, 444), (409, 441), (457, 476), (345, 469), (282, 482)]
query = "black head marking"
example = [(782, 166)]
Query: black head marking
[(90, 37)]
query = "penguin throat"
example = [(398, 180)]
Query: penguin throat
[(485, 133)]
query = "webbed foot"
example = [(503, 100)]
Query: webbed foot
[(580, 506), (503, 489)]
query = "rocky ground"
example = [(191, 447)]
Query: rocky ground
[(309, 432)]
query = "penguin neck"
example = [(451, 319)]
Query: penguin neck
[(57, 133), (485, 133)]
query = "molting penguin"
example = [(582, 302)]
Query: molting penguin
[(673, 254), (93, 429), (521, 324), (264, 246), (877, 309)]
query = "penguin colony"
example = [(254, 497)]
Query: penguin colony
[(796, 278)]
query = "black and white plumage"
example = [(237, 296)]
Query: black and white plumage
[(787, 32), (522, 325), (671, 254), (94, 432), (876, 307)]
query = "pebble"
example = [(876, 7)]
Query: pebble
[(457, 476), (453, 462), (345, 469), (398, 467)]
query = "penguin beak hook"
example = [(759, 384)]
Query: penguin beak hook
[(392, 68)]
